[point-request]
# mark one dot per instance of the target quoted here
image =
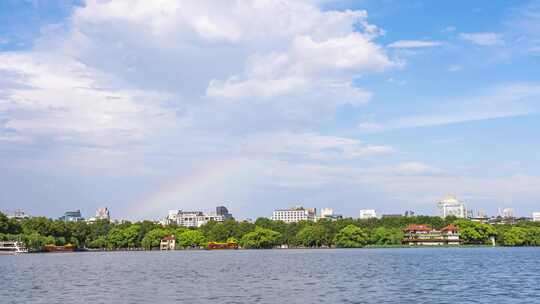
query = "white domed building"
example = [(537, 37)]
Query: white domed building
[(451, 206)]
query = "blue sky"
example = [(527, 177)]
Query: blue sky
[(148, 106)]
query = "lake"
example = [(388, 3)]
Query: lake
[(408, 275)]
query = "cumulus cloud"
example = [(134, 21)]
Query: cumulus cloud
[(63, 98), (131, 88)]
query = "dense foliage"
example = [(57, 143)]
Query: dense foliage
[(264, 233)]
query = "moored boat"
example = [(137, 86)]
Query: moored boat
[(55, 248), (12, 247), (216, 246)]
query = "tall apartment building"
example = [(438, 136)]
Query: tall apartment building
[(294, 215), (450, 206), (367, 214)]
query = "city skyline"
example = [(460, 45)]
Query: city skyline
[(258, 105)]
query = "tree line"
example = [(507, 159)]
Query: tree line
[(263, 233)]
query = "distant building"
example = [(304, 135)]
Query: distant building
[(328, 213), (190, 218), (450, 206), (18, 215), (367, 214), (409, 213), (391, 215), (72, 216), (224, 212), (536, 216), (507, 213), (480, 217), (102, 214), (423, 235), (168, 243), (294, 215)]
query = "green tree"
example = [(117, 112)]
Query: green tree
[(153, 238), (351, 237), (516, 236), (219, 233), (4, 223), (131, 236), (386, 236), (474, 232), (533, 236), (312, 236), (100, 242), (79, 231), (116, 239), (260, 238), (191, 239)]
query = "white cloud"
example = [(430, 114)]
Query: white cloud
[(449, 29), (506, 101), (312, 146), (455, 68), (483, 39), (411, 44), (60, 97)]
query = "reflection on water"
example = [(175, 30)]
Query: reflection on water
[(437, 275)]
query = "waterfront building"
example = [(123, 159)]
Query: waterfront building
[(536, 216), (423, 235), (72, 216), (450, 206), (168, 243), (328, 213), (294, 215), (191, 218), (367, 214), (224, 212)]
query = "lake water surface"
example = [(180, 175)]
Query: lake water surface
[(419, 275)]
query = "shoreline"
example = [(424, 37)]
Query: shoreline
[(281, 249)]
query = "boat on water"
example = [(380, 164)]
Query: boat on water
[(55, 248), (218, 246), (12, 247)]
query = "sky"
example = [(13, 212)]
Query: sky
[(145, 106)]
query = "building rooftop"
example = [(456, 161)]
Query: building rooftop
[(415, 227)]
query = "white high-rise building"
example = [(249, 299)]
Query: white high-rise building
[(536, 216), (295, 214), (367, 214), (450, 206)]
